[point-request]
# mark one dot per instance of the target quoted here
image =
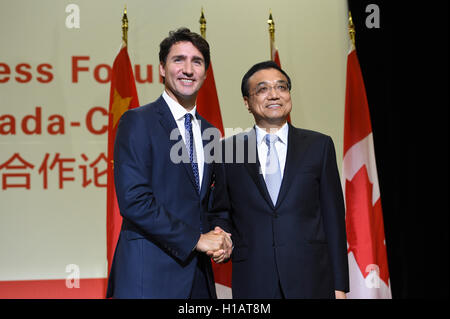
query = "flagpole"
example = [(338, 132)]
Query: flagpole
[(125, 26), (122, 97), (202, 22), (271, 24), (351, 28)]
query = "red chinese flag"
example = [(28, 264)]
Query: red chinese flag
[(123, 96), (208, 102), (276, 59), (369, 274), (208, 107)]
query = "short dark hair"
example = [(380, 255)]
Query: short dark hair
[(181, 35), (258, 67)]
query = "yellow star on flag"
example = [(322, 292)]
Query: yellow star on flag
[(119, 106)]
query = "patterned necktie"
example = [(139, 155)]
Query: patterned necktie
[(190, 146), (273, 173)]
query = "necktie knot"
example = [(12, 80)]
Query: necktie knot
[(271, 139), (187, 118)]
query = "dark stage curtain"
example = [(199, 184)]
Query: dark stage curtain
[(405, 69)]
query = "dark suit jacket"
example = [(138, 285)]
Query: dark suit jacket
[(302, 237), (161, 209)]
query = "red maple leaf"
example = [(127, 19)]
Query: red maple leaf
[(365, 228)]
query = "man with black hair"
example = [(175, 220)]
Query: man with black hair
[(284, 198), (166, 242)]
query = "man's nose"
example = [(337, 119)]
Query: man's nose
[(273, 94), (187, 69)]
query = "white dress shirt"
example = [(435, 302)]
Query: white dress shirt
[(281, 145), (178, 113)]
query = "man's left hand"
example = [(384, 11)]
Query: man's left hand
[(222, 255), (340, 294)]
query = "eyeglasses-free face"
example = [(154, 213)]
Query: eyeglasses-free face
[(184, 73)]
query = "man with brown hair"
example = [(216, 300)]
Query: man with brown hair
[(165, 241)]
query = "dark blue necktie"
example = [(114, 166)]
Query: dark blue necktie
[(191, 149)]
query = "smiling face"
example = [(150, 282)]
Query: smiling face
[(269, 100), (184, 73)]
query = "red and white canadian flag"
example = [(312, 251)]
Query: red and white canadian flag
[(368, 266)]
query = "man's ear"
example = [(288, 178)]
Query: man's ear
[(246, 104), (162, 72)]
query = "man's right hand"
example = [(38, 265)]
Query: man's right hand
[(216, 241)]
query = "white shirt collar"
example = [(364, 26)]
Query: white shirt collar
[(178, 111), (282, 134)]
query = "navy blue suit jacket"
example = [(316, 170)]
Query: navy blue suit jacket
[(302, 237), (161, 208)]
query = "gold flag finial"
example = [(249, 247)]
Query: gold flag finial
[(351, 28), (271, 24), (202, 22), (125, 26)]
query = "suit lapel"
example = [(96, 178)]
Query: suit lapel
[(169, 124), (253, 166), (295, 151), (206, 166), (167, 121)]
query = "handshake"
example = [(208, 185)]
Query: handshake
[(216, 244)]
